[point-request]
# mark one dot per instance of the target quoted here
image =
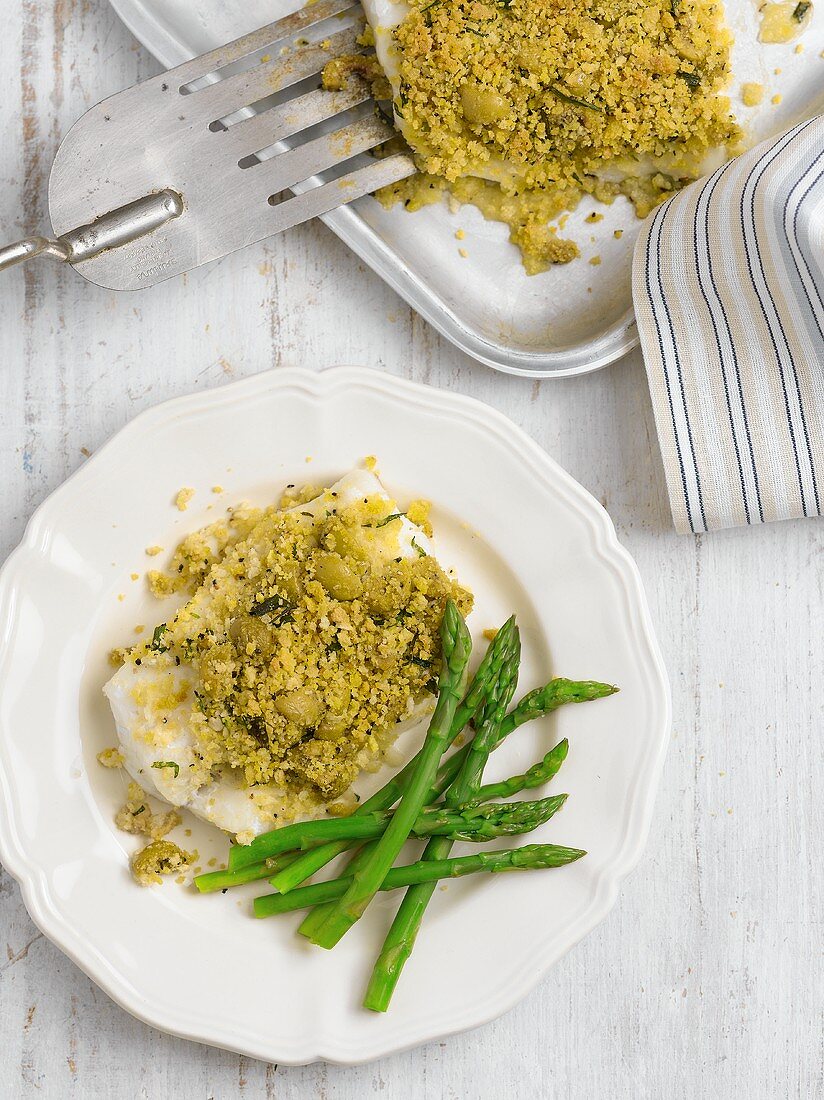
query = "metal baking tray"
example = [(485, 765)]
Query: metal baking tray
[(569, 320)]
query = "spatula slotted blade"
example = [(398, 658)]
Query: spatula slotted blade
[(212, 137)]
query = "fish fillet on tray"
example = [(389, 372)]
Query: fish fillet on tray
[(574, 317)]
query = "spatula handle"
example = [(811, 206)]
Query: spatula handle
[(30, 247), (117, 227)]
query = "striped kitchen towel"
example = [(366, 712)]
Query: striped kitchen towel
[(728, 285)]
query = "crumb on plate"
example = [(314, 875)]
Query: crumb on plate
[(136, 816), (183, 497), (159, 858), (752, 94), (110, 758)]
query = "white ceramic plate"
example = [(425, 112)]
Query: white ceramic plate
[(569, 320), (526, 538)]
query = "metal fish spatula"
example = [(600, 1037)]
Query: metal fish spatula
[(193, 164)]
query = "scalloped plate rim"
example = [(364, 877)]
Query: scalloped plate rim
[(41, 905)]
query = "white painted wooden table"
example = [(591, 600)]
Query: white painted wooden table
[(706, 981)]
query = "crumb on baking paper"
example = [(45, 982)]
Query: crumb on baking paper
[(618, 234), (139, 628), (121, 596), (463, 253), (752, 94), (595, 260), (594, 217), (541, 247), (491, 633), (217, 488), (183, 497), (134, 576), (153, 551), (459, 235), (776, 99)]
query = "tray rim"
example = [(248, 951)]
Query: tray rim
[(574, 359)]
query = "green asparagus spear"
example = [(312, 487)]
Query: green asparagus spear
[(327, 832), (297, 868), (400, 939), (543, 700), (210, 881), (382, 799), (456, 646), (531, 856), (536, 776), (493, 819), (315, 917), (477, 822), (311, 862), (504, 641), (305, 834), (535, 704), (468, 780)]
